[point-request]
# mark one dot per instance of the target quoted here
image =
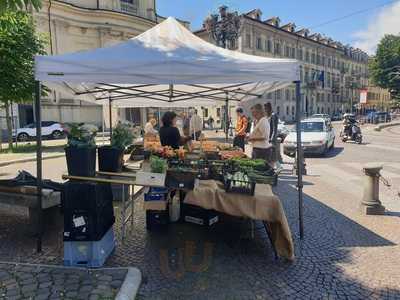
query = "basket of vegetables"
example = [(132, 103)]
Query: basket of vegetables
[(239, 182)]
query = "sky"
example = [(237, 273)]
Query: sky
[(362, 30)]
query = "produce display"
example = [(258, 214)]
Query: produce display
[(230, 154), (157, 164), (239, 182)]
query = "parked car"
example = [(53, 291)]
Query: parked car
[(376, 117), (324, 116), (50, 129), (336, 117), (283, 131), (317, 136)]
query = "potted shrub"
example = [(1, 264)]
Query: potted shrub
[(111, 158), (81, 149)]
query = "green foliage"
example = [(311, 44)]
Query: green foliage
[(157, 164), (13, 5), (81, 135), (122, 136), (385, 66), (18, 46)]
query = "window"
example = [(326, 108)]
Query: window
[(248, 40), (278, 48), (293, 111), (269, 46), (318, 97), (307, 56), (259, 43), (287, 92), (287, 110), (323, 60), (287, 51), (306, 75), (278, 94), (269, 96), (278, 110), (293, 53), (313, 58), (218, 112), (329, 111), (300, 54), (323, 97), (301, 73), (329, 97), (318, 59), (205, 113), (329, 62), (322, 110)]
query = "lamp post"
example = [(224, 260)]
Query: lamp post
[(224, 28)]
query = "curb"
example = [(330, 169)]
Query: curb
[(29, 159), (380, 127), (130, 286)]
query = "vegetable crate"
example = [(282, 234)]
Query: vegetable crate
[(179, 179), (239, 183)]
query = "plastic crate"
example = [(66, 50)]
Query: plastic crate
[(89, 254), (156, 194)]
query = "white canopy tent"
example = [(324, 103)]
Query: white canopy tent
[(165, 66)]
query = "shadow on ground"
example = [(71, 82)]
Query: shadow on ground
[(187, 261)]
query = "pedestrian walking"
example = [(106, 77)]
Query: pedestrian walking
[(196, 125)]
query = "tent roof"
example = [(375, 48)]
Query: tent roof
[(145, 67)]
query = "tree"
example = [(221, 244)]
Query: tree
[(18, 46), (8, 5), (385, 66)]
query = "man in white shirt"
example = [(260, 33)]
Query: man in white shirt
[(149, 127), (196, 125), (259, 136)]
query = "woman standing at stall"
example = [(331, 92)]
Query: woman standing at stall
[(169, 133), (259, 136)]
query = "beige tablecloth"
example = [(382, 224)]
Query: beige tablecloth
[(263, 206)]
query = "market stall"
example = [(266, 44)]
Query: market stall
[(168, 65)]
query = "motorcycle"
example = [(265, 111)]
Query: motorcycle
[(351, 133)]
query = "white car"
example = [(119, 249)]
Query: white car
[(283, 131), (50, 129), (317, 137)]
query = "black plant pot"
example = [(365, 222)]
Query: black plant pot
[(111, 159), (81, 161)]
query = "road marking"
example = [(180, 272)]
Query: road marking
[(397, 149)]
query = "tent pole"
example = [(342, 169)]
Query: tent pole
[(226, 116), (299, 158), (38, 166), (110, 114)]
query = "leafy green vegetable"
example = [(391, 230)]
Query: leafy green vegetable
[(122, 136), (158, 165)]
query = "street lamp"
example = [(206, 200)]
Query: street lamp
[(224, 28)]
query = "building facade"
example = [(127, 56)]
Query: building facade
[(377, 98), (331, 74)]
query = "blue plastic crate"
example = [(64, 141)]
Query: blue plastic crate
[(89, 254), (156, 194)]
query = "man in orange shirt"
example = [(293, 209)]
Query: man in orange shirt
[(241, 128)]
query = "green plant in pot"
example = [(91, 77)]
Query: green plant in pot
[(111, 158), (81, 149)]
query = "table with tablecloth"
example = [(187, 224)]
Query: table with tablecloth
[(263, 206)]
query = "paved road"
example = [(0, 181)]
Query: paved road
[(345, 255)]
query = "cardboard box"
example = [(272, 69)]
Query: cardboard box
[(155, 205)]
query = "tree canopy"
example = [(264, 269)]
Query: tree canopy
[(7, 5), (385, 66), (18, 46)]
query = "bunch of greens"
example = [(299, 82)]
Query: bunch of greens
[(122, 136), (81, 135), (157, 164), (247, 163)]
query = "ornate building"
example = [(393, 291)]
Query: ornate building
[(75, 25), (332, 74)]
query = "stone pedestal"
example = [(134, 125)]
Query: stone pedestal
[(370, 204)]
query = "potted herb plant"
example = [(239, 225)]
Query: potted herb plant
[(81, 149), (111, 158)]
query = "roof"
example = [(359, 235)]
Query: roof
[(160, 64)]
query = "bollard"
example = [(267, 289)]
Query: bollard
[(370, 204)]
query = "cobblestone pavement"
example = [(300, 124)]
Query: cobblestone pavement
[(46, 282), (344, 254)]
